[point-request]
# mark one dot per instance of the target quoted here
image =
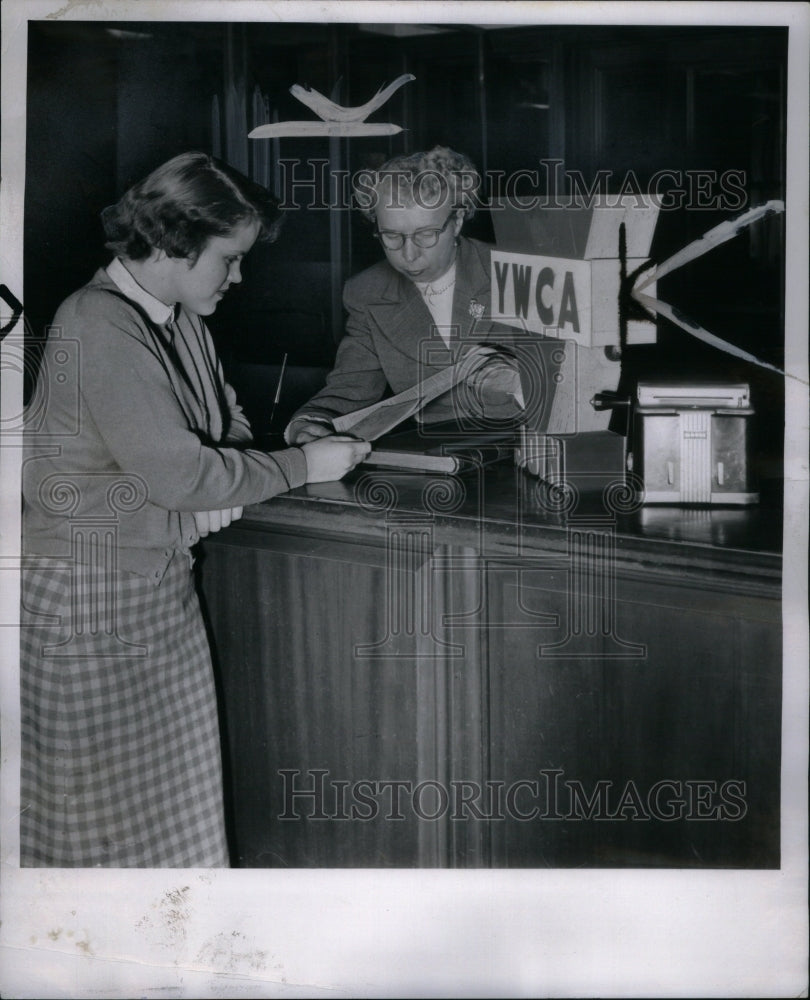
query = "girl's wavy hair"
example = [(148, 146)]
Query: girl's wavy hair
[(429, 179), (182, 204)]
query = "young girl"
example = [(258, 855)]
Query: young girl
[(120, 741)]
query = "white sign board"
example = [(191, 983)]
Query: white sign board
[(575, 300), (547, 295)]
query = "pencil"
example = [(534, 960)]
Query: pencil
[(278, 390)]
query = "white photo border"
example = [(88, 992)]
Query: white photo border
[(358, 933)]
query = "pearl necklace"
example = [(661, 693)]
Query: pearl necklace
[(432, 292)]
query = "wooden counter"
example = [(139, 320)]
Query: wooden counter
[(470, 672)]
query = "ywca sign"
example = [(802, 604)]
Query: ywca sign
[(550, 295), (575, 295)]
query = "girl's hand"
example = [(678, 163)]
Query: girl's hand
[(215, 520), (330, 458)]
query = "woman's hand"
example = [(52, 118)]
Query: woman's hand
[(495, 388), (215, 520), (330, 458), (303, 431)]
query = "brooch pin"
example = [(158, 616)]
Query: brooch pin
[(476, 309)]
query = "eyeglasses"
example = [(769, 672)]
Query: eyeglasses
[(422, 238)]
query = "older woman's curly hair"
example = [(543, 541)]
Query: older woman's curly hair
[(182, 204), (437, 177)]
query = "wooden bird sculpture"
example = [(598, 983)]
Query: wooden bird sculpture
[(331, 112)]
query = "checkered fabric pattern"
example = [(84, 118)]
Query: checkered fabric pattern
[(121, 762)]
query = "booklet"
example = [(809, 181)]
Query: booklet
[(452, 452)]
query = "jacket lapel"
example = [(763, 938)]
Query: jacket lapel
[(472, 293), (403, 319)]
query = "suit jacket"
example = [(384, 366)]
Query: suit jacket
[(391, 341)]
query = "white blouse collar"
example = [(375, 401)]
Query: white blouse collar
[(156, 310)]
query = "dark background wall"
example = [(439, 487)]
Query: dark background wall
[(109, 101)]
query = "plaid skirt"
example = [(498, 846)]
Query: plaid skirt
[(121, 761)]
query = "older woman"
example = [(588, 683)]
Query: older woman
[(120, 741), (420, 309)]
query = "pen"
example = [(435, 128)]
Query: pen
[(278, 390)]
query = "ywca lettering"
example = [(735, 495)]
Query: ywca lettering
[(548, 293)]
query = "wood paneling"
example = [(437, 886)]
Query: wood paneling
[(475, 660)]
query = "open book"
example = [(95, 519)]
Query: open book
[(438, 447), (380, 418)]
